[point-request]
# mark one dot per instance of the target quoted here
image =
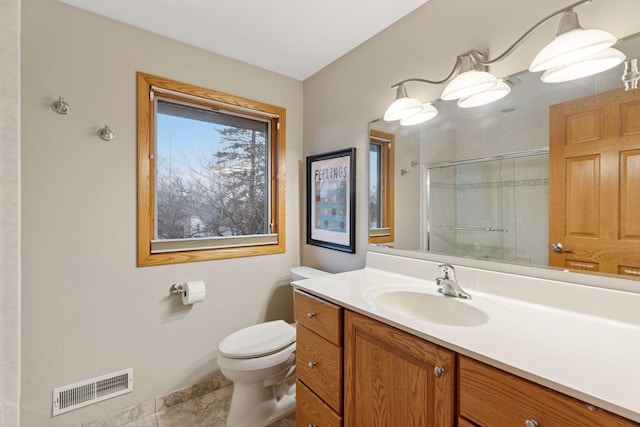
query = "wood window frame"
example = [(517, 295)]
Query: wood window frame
[(386, 207), (146, 169)]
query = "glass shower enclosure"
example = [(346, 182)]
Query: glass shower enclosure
[(493, 208)]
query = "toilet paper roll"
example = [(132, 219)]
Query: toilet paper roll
[(193, 292)]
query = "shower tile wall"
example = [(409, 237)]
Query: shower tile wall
[(442, 202), (532, 209), (509, 193)]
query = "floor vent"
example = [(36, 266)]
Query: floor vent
[(74, 396)]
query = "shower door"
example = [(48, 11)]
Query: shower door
[(479, 208)]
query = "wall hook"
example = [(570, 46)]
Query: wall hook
[(61, 106), (105, 133)]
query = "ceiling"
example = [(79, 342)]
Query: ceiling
[(295, 38)]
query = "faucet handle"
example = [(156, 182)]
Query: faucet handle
[(448, 271)]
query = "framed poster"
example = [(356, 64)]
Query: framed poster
[(331, 200)]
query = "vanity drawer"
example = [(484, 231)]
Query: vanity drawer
[(319, 366), (490, 397), (311, 411), (320, 316)]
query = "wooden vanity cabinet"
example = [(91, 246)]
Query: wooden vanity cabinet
[(387, 377), (319, 396), (393, 378), (489, 397)]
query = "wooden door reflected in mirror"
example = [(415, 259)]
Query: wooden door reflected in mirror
[(594, 191)]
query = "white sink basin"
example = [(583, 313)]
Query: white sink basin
[(427, 307)]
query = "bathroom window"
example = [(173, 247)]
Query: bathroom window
[(381, 150), (210, 174)]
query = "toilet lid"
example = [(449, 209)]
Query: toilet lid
[(258, 340)]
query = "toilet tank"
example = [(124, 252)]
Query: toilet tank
[(301, 272)]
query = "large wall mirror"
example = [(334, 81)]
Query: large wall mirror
[(475, 183)]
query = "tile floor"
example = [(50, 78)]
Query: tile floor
[(208, 410)]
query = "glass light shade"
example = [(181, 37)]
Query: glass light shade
[(570, 47), (427, 112), (468, 83), (402, 107), (594, 64), (490, 95)]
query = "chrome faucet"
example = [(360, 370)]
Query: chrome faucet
[(448, 284)]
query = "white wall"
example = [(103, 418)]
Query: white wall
[(345, 96), (9, 213), (87, 308), (407, 194)]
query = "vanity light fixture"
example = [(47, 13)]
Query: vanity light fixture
[(594, 64), (403, 106), (571, 43), (500, 90), (470, 82), (427, 112), (574, 53)]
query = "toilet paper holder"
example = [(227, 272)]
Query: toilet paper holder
[(191, 291), (176, 289)]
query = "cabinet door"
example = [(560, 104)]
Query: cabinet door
[(390, 377)]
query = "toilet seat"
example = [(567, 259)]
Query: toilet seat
[(258, 340)]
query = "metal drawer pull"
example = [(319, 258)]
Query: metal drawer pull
[(311, 315), (531, 423), (438, 371), (312, 425), (311, 364)]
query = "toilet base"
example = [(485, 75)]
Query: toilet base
[(254, 405)]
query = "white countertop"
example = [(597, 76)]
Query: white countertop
[(594, 358)]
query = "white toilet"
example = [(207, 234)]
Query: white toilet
[(261, 362)]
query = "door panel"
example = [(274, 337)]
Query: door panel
[(630, 195), (583, 127), (630, 118), (583, 196)]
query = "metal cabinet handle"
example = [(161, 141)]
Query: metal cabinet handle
[(312, 425), (438, 371), (559, 249), (531, 423), (311, 315), (311, 364)]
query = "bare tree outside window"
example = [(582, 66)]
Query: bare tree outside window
[(172, 206), (211, 174)]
